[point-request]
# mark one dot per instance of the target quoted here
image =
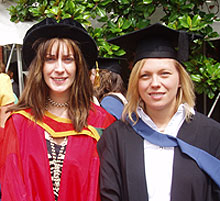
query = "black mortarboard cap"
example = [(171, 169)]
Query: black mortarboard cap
[(156, 41), (66, 28), (111, 64)]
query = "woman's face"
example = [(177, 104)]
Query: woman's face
[(158, 84), (59, 69)]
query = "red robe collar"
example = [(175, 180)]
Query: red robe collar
[(64, 128)]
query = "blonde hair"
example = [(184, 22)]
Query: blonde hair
[(185, 93)]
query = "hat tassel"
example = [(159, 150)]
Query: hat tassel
[(97, 77)]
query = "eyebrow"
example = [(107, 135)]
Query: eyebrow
[(66, 55)]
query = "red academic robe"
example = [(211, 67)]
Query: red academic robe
[(24, 165)]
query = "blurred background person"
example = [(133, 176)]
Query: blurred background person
[(7, 97), (95, 80), (13, 74), (111, 82), (111, 90)]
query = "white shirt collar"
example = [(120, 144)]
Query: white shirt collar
[(174, 124)]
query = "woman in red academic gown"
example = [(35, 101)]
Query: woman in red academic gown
[(48, 149)]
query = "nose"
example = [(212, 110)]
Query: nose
[(155, 81), (59, 68)]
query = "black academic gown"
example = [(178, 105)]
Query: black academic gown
[(122, 172)]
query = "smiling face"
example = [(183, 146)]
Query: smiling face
[(158, 84), (59, 69)]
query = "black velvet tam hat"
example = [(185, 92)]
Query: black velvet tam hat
[(66, 28), (112, 64), (155, 41)]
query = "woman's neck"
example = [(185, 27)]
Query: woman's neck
[(59, 112), (161, 117), (59, 98), (58, 106)]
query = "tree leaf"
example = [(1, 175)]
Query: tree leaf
[(147, 1), (101, 12), (183, 21), (126, 24), (196, 78)]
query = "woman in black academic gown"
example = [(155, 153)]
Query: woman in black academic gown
[(139, 162)]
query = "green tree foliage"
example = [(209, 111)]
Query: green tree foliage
[(117, 17)]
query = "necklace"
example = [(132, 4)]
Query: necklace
[(55, 104), (56, 164)]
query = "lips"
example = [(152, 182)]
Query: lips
[(156, 95), (59, 79)]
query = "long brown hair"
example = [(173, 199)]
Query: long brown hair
[(109, 82), (36, 91)]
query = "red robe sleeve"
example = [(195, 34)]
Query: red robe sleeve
[(11, 175)]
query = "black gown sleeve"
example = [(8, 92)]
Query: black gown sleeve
[(110, 174), (203, 133)]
